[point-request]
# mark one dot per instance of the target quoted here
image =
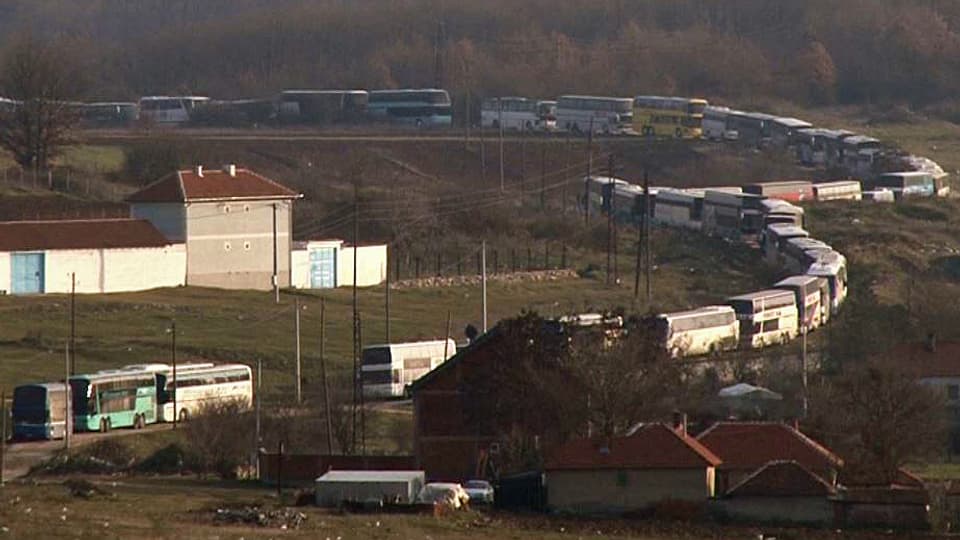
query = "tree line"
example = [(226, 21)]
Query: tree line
[(742, 53)]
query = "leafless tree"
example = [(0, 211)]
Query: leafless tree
[(218, 438), (41, 78), (879, 417)]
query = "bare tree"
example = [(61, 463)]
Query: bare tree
[(219, 437), (41, 79), (879, 417)]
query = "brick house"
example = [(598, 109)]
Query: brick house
[(745, 447), (628, 474), (236, 224)]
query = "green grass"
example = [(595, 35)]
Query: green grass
[(92, 158)]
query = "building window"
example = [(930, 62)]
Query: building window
[(246, 246), (246, 208), (226, 209), (953, 392), (227, 246)]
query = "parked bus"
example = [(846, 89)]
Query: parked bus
[(169, 109), (610, 115), (112, 399), (766, 317), (706, 330), (783, 131), (198, 385), (774, 235), (677, 117), (812, 296), (787, 190), (679, 208), (778, 211), (518, 113), (39, 411), (425, 107), (732, 214), (907, 184), (840, 190), (108, 114), (628, 202), (715, 124), (600, 191), (388, 370), (832, 266), (752, 127), (799, 253), (234, 112), (322, 106)]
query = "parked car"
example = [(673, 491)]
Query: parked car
[(480, 491), (446, 494)]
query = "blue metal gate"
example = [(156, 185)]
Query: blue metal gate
[(323, 268), (26, 275)]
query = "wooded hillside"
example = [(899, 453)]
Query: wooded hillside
[(742, 52)]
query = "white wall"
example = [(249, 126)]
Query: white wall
[(300, 269), (108, 270), (5, 273), (371, 265)]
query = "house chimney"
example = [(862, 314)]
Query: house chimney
[(230, 169), (680, 422), (199, 170), (932, 342)]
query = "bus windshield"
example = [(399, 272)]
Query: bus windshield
[(697, 107), (84, 401)]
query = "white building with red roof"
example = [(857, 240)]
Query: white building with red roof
[(90, 255), (237, 225)]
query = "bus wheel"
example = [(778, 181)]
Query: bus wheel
[(104, 425), (679, 133), (496, 124), (184, 415), (138, 422)]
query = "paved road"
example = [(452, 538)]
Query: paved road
[(21, 456)]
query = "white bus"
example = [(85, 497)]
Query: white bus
[(610, 115), (799, 253), (201, 384), (775, 234), (169, 109), (387, 371), (766, 317), (706, 330), (715, 124), (849, 190), (832, 266), (518, 113), (812, 297), (420, 107), (679, 208)]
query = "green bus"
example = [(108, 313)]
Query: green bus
[(111, 399)]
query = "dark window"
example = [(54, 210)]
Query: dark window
[(380, 376), (953, 392), (771, 325)]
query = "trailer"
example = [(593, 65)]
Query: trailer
[(378, 487)]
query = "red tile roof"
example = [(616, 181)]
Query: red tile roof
[(942, 360), (80, 234), (654, 446), (214, 184), (782, 479), (750, 445)]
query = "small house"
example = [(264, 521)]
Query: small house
[(629, 474), (780, 492), (745, 447), (394, 487)]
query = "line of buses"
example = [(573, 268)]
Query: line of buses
[(761, 214), (130, 397)]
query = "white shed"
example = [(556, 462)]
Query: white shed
[(325, 264), (95, 255), (401, 487)]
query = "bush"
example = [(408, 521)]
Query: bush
[(168, 460), (219, 438), (107, 456)]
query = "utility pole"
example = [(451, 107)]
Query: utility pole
[(363, 407), (276, 245), (256, 442), (613, 222), (323, 373), (67, 424), (73, 322), (543, 178), (446, 341), (523, 162), (173, 359), (483, 280), (803, 366), (483, 155), (3, 436), (586, 181), (386, 298), (466, 115), (438, 56), (646, 234), (610, 209), (357, 391), (296, 307), (500, 128), (640, 231)]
